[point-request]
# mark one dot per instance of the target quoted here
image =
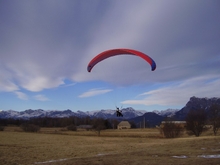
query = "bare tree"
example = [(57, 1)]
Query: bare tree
[(99, 125), (195, 121), (214, 113)]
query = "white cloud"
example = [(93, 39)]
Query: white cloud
[(39, 83), (8, 86), (21, 95), (179, 93), (68, 85), (41, 98), (6, 83), (94, 92)]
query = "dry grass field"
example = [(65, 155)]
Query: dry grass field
[(113, 147)]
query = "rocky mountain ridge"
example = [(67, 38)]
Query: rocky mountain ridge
[(196, 103), (106, 114)]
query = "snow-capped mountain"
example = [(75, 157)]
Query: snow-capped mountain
[(166, 113), (35, 113), (127, 113)]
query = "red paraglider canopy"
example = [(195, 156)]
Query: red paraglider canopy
[(114, 52)]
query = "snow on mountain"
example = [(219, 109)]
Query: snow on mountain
[(105, 114), (9, 114), (131, 113), (127, 112), (81, 113), (32, 113), (167, 112), (65, 113)]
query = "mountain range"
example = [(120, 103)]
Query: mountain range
[(128, 113), (137, 116)]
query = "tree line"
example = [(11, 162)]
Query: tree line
[(60, 122)]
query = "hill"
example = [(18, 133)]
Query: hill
[(149, 119)]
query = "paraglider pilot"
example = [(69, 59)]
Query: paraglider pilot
[(118, 112)]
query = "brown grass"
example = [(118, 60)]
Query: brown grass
[(114, 147)]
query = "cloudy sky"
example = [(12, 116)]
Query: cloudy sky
[(45, 46)]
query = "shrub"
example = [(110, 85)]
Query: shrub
[(30, 128), (72, 127), (171, 130)]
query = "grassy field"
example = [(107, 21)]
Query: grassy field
[(113, 147)]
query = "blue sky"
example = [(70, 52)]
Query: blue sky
[(45, 47)]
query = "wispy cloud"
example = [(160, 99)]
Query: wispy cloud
[(68, 85), (94, 92), (179, 93), (21, 95), (41, 98)]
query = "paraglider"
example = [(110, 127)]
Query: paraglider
[(114, 52), (118, 112)]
